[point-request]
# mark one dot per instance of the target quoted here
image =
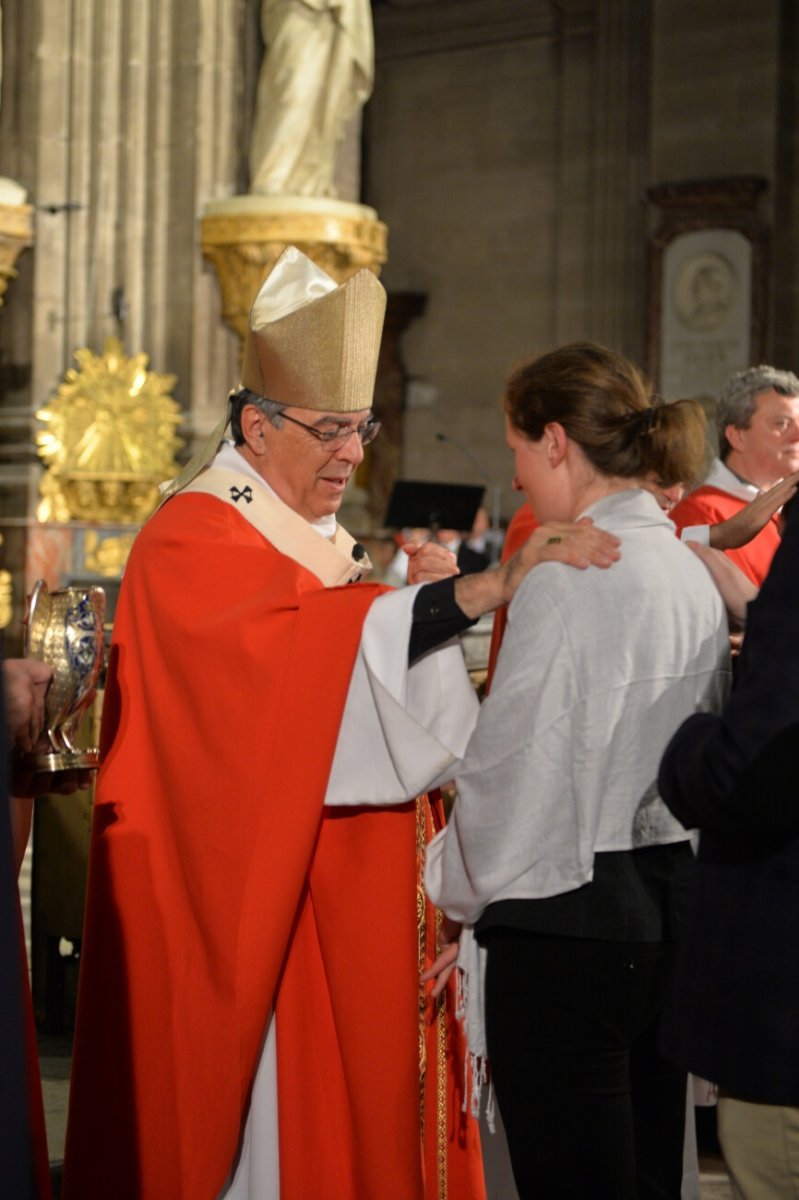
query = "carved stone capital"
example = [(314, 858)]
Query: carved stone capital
[(243, 238), (16, 234)]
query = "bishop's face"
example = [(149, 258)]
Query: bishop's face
[(310, 475)]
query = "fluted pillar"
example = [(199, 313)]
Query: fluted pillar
[(121, 121)]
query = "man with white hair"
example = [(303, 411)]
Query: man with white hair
[(758, 425)]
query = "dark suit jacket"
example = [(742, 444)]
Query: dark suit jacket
[(733, 1012)]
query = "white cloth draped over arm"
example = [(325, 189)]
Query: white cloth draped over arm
[(696, 533), (404, 729)]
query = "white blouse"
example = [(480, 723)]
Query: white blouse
[(597, 670)]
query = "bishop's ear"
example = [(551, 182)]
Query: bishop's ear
[(252, 428)]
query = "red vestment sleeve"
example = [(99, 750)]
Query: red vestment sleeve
[(710, 506)]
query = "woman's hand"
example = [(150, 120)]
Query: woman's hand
[(444, 964), (578, 544), (737, 589)]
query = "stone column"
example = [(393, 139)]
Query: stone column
[(121, 121), (385, 464), (618, 229)]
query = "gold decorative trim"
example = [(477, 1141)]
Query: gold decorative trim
[(6, 599), (440, 1018), (441, 1082), (355, 235), (16, 234), (421, 928)]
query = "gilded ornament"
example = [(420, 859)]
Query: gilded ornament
[(16, 234), (109, 439), (6, 596), (6, 608), (107, 555)]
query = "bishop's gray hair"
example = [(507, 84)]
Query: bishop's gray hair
[(271, 409), (736, 402)]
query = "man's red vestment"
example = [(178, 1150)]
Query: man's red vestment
[(219, 889), (710, 506)]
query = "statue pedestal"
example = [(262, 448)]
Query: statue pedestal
[(245, 235), (16, 230)]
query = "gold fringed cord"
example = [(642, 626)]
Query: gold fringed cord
[(421, 926), (441, 1089), (440, 1018)]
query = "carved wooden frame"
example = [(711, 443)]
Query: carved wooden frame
[(694, 205)]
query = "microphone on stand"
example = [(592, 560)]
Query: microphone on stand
[(496, 491)]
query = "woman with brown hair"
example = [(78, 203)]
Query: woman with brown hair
[(560, 851)]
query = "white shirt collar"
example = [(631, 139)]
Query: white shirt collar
[(228, 459), (631, 507), (725, 480)]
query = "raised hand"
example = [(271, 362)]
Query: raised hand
[(739, 529)]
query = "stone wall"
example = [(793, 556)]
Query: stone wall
[(508, 160), (510, 148), (785, 294)]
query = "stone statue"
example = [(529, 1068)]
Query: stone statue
[(317, 72)]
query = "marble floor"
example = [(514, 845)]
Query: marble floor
[(54, 1063)]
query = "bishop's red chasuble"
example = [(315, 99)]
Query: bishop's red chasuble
[(220, 890)]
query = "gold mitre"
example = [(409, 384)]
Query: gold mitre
[(313, 343)]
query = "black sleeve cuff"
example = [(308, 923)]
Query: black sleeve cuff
[(436, 618)]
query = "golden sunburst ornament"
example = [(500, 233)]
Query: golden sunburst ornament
[(109, 439)]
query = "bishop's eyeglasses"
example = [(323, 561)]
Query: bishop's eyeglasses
[(334, 439)]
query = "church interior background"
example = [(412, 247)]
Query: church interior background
[(527, 173)]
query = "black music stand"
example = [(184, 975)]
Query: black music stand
[(414, 504)]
